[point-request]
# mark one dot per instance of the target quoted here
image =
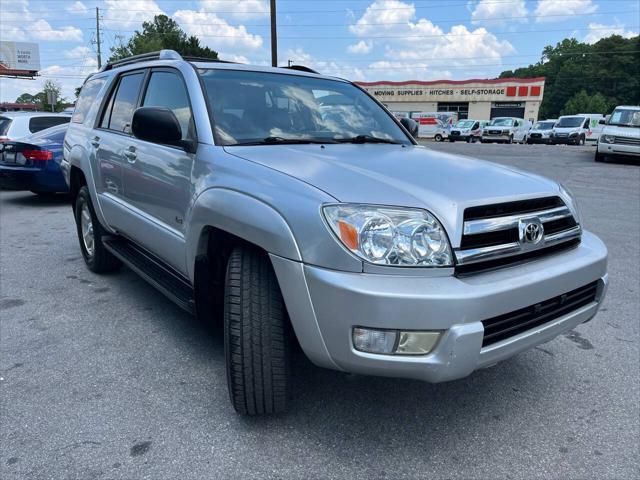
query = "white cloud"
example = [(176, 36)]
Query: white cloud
[(78, 52), (299, 57), (438, 50), (41, 30), (77, 8), (138, 11), (216, 33), (492, 12), (361, 47), (558, 9), (240, 9), (598, 31)]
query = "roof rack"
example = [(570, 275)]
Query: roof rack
[(302, 68), (143, 57), (206, 59)]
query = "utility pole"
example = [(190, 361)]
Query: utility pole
[(98, 36), (274, 36)]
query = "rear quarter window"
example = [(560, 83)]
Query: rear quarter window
[(5, 123), (40, 123), (86, 98)]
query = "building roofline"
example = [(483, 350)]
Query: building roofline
[(452, 82)]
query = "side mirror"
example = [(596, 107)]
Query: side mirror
[(157, 125), (602, 121), (411, 126)]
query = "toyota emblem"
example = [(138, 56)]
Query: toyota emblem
[(531, 231)]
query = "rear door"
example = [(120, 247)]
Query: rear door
[(157, 177), (111, 138)]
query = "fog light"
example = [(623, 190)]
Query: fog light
[(374, 341), (393, 342), (417, 343)]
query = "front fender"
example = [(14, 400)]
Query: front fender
[(243, 216)]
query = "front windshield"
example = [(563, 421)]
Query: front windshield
[(568, 122), (263, 108), (501, 122), (465, 124), (543, 126), (625, 118)]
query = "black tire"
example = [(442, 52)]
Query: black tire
[(582, 140), (256, 335), (510, 141), (600, 157), (100, 260), (438, 137), (451, 140)]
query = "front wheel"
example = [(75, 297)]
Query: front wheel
[(600, 157), (90, 235), (510, 139), (438, 137), (256, 335)]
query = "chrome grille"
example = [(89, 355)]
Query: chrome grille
[(626, 141), (502, 234)]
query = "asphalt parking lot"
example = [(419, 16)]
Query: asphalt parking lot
[(102, 377)]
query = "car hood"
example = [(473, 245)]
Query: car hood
[(566, 129), (621, 131), (411, 176)]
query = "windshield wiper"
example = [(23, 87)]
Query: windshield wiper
[(284, 141), (365, 139)]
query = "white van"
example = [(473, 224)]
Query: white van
[(595, 127), (620, 135), (431, 125), (506, 130), (570, 130)]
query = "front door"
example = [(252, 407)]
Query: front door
[(157, 177)]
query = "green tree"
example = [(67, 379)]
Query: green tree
[(610, 67), (582, 102), (161, 33), (40, 98)]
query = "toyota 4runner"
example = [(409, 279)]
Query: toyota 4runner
[(295, 208)]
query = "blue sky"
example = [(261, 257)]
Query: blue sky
[(358, 39)]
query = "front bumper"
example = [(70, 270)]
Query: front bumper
[(495, 138), (47, 179), (555, 140), (325, 305), (616, 149), (538, 139)]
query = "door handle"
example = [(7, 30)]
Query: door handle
[(131, 155), (95, 141)]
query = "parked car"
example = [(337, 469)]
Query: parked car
[(224, 187), (16, 125), (570, 130), (620, 136), (541, 131), (33, 163), (467, 130), (506, 130)]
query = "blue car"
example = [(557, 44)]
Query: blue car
[(33, 162)]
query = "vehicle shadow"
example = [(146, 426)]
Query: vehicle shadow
[(31, 200)]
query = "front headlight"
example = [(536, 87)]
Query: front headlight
[(405, 237), (607, 138), (571, 202)]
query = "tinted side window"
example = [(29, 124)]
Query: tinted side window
[(40, 123), (166, 89), (86, 98), (124, 103)]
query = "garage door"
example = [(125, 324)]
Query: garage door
[(507, 109)]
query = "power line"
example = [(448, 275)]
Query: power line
[(352, 37)]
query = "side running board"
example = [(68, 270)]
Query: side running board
[(171, 283)]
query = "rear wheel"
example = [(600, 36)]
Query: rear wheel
[(90, 235), (256, 335), (438, 137)]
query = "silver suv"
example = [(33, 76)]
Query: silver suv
[(294, 207)]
